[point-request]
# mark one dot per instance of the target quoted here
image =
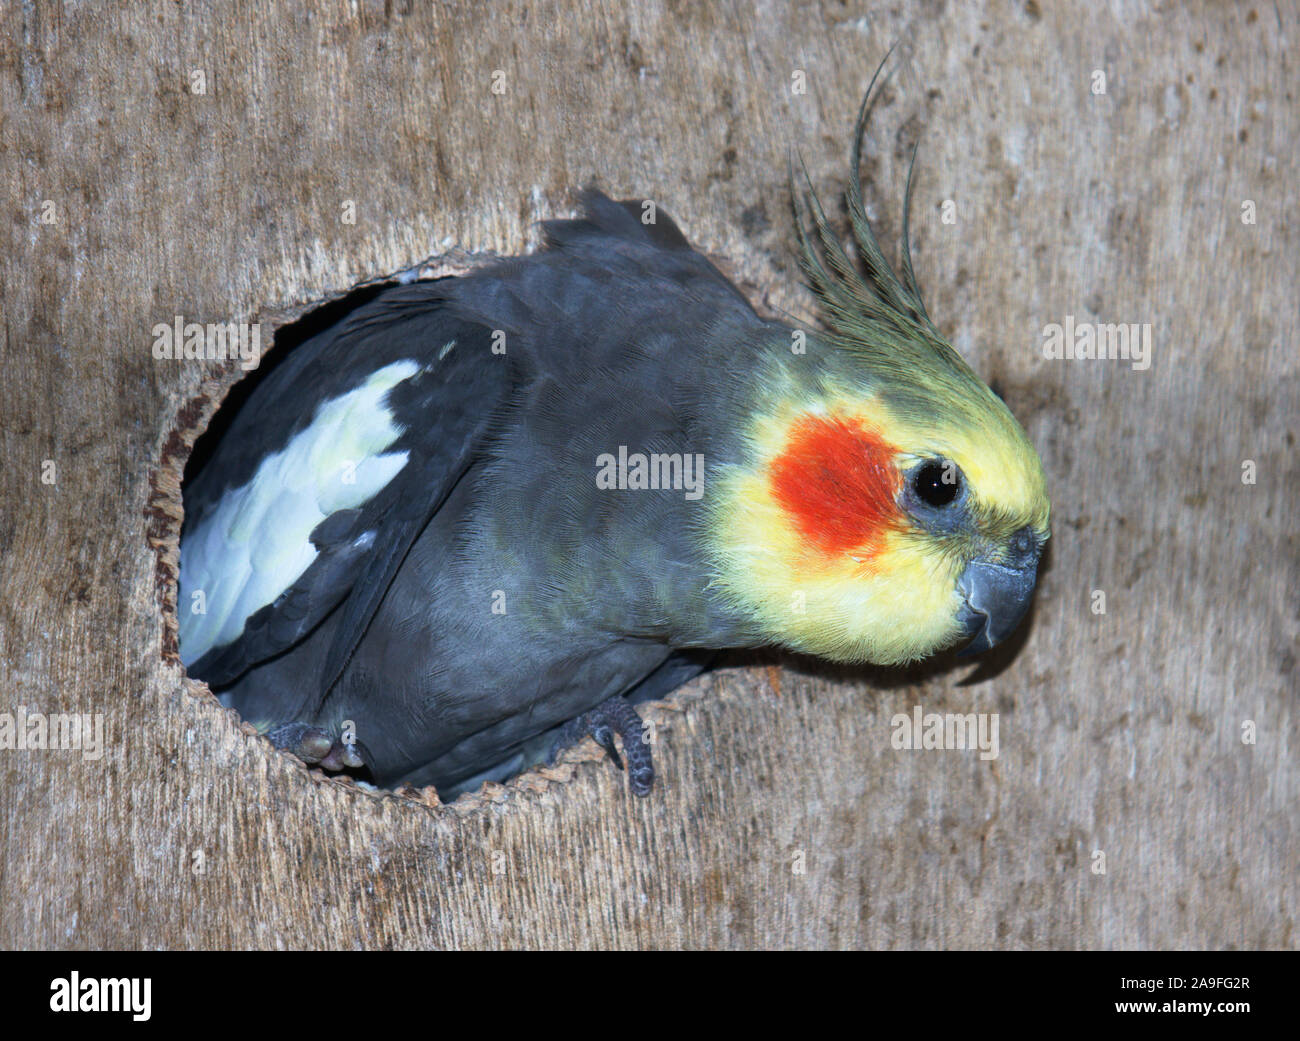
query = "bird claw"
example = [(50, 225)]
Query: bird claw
[(605, 738), (316, 747), (605, 720)]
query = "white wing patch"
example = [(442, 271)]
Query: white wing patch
[(257, 543)]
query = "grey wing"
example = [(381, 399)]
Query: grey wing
[(329, 473)]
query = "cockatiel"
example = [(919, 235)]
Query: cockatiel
[(483, 516)]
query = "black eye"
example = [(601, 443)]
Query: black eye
[(937, 484)]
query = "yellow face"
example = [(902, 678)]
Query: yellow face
[(837, 536)]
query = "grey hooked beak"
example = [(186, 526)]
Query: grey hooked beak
[(997, 595)]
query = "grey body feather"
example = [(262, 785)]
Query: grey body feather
[(616, 334)]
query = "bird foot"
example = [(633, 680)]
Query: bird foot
[(317, 747), (615, 716)]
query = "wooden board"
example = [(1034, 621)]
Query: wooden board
[(783, 816)]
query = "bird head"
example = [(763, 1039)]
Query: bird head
[(889, 504)]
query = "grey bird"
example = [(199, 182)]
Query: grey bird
[(481, 516)]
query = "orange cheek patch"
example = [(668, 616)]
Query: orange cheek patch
[(836, 482)]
